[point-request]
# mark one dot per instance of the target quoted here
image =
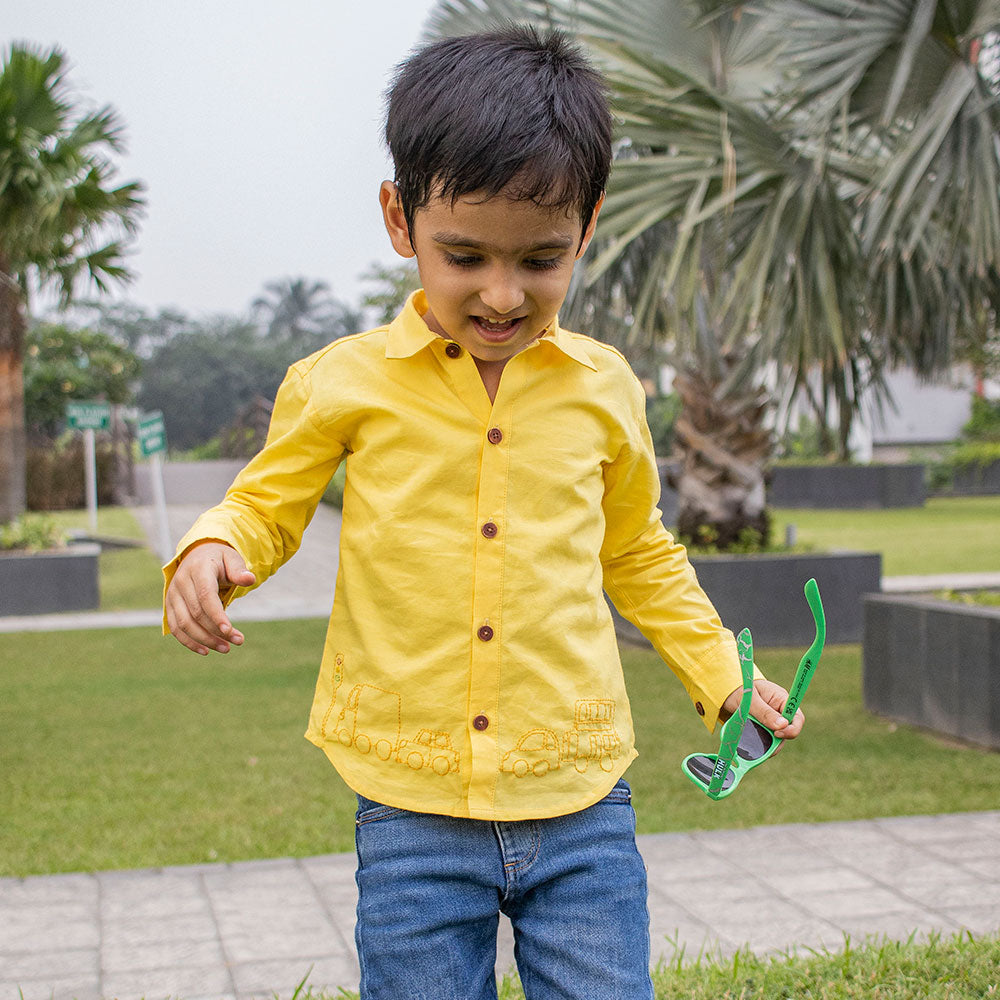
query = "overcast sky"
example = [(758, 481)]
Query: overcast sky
[(254, 125)]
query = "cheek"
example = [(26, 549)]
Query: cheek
[(551, 291), (444, 284)]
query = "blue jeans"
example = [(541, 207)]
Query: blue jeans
[(430, 890)]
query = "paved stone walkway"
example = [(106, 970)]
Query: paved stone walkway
[(257, 929)]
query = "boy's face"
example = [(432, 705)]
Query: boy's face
[(494, 271)]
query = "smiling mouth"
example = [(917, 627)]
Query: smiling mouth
[(493, 327)]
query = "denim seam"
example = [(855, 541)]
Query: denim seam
[(617, 796), (374, 815)]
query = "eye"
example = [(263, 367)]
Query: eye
[(543, 263), (461, 259)]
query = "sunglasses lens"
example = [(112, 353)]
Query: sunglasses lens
[(755, 741), (702, 768)]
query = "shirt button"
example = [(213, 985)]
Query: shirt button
[(699, 708), (480, 722), (453, 350), (490, 530), (495, 435), (485, 633)]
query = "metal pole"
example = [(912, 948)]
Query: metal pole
[(90, 476), (160, 502)]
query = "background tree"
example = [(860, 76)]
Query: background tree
[(304, 314), (61, 364), (830, 171), (131, 325), (203, 377), (391, 287), (61, 221)]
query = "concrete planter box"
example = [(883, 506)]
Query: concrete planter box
[(847, 486), (977, 480), (934, 664), (35, 583), (764, 592)]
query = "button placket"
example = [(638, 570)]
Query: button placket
[(487, 642)]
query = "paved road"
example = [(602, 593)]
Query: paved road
[(256, 929)]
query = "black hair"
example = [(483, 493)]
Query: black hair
[(507, 110)]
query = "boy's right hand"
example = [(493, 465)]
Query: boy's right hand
[(196, 616)]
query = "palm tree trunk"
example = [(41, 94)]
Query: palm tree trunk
[(12, 436), (721, 445)]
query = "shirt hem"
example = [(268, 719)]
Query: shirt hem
[(421, 805)]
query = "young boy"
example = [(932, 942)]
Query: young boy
[(500, 476)]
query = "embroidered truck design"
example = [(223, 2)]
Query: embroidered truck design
[(592, 738), (370, 719), (429, 749)]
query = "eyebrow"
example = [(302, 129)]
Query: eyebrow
[(450, 239)]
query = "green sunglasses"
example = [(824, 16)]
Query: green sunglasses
[(745, 743)]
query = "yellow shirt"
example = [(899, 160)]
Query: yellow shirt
[(470, 665)]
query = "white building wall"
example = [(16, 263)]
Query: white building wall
[(924, 412)]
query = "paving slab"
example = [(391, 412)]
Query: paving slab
[(256, 930)]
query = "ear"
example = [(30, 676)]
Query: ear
[(588, 233), (395, 219)]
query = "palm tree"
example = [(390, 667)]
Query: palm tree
[(831, 173), (61, 221), (304, 314)]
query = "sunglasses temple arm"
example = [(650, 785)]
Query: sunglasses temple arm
[(733, 729), (809, 662)]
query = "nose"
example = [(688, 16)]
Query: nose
[(502, 292)]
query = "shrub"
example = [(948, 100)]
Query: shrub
[(804, 445), (661, 413), (975, 455), (55, 476), (984, 422), (31, 533)]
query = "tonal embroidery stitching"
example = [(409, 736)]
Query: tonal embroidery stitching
[(592, 738)]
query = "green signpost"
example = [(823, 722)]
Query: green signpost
[(152, 434), (88, 416)]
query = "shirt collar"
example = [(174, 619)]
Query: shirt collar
[(408, 334)]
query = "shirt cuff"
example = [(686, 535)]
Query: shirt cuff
[(718, 677)]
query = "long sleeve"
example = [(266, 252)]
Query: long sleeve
[(274, 497), (650, 580)]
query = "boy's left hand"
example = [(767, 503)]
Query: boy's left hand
[(766, 705)]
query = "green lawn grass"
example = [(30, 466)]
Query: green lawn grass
[(129, 579), (121, 749), (958, 968), (948, 535)]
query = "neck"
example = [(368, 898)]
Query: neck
[(490, 372)]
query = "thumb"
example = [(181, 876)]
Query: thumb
[(235, 569), (766, 715)]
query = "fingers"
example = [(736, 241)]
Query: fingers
[(731, 705), (769, 700), (236, 569), (195, 613)]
